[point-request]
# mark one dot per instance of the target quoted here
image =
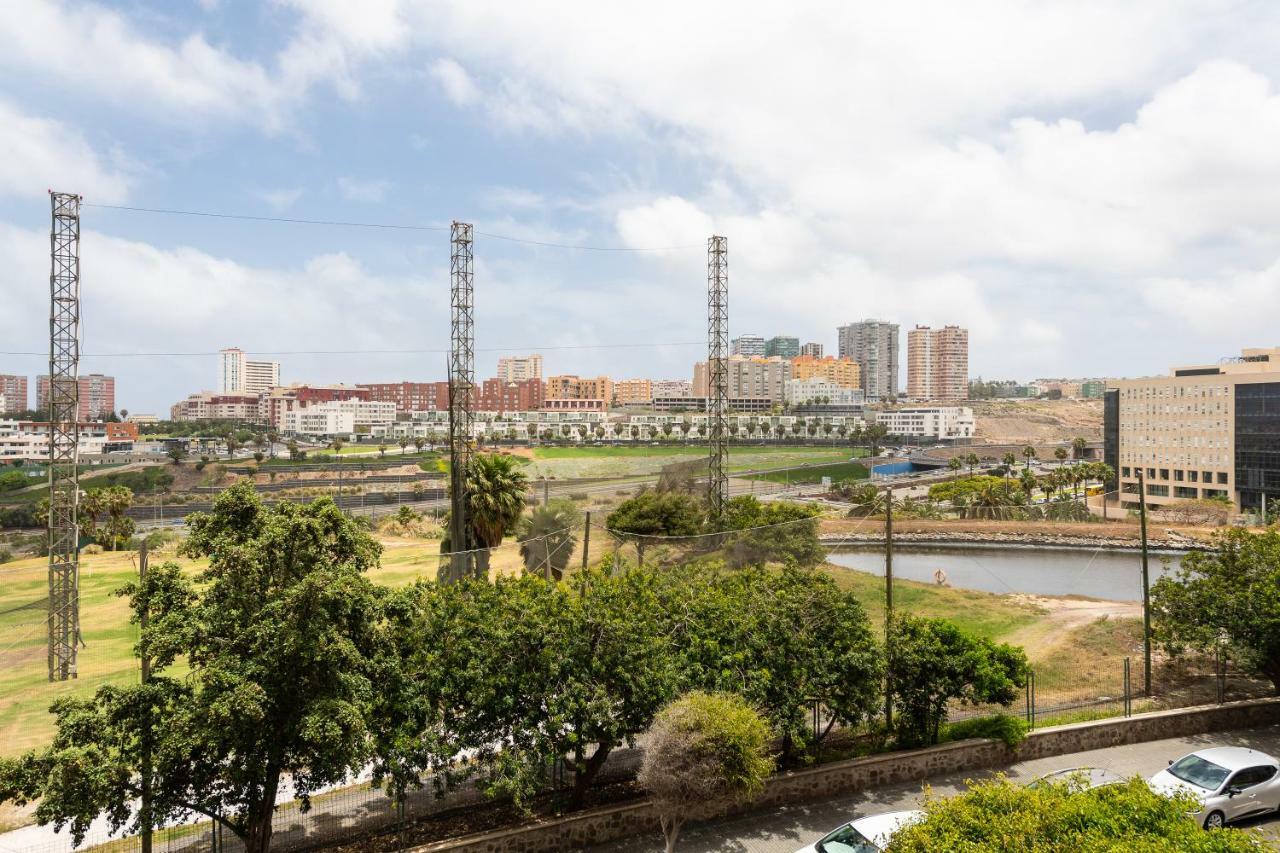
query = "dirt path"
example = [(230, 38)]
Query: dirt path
[(1063, 616)]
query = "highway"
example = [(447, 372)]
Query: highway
[(785, 830)]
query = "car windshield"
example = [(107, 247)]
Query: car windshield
[(846, 839), (1197, 771)]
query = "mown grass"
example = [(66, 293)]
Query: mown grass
[(814, 473)]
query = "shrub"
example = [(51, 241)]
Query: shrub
[(91, 549), (1011, 730), (705, 752)]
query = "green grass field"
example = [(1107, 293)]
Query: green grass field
[(588, 461)]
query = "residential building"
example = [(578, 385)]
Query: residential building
[(844, 372), (28, 441), (938, 364), (337, 417), (499, 395), (518, 368), (573, 387), (97, 396), (874, 345), (14, 391), (632, 392), (142, 418), (208, 406), (758, 377), (813, 350), (410, 396), (574, 404), (672, 388), (237, 374), (747, 345), (275, 404), (940, 423), (782, 347), (816, 391), (1092, 389), (1204, 431)]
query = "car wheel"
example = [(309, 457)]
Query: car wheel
[(1215, 820)]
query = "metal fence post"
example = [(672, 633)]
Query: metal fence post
[(1031, 682), (1128, 706)]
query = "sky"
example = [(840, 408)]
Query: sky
[(1092, 188)]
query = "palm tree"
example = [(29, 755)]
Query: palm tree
[(496, 488), (668, 428), (1027, 481), (419, 441), (532, 430), (955, 464), (1078, 445), (635, 432), (1028, 453), (336, 444), (272, 438), (382, 449), (875, 433), (972, 461), (1009, 461), (232, 447), (547, 538), (404, 445)]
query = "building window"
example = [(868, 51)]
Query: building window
[(1129, 488), (1124, 472), (1157, 491), (1151, 473), (1207, 477), (1164, 473), (1177, 475), (1222, 478), (1193, 476), (1185, 492)]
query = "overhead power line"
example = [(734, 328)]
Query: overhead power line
[(388, 226), (533, 348)]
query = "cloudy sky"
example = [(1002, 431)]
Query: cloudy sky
[(1091, 188)]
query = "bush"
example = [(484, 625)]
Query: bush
[(1011, 730), (1061, 818), (705, 752), (5, 555), (91, 549)]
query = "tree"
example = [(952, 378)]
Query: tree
[(1027, 482), (1064, 816), (119, 528), (294, 453), (273, 438), (232, 446), (419, 441), (495, 501), (337, 444), (704, 753), (651, 514), (971, 461), (1078, 446), (933, 663), (1060, 453), (955, 464), (1028, 453), (547, 538), (1226, 597), (281, 635), (177, 452), (382, 449), (773, 532), (258, 456), (875, 433)]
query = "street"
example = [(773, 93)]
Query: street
[(785, 830)]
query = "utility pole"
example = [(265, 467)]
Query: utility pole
[(144, 813), (586, 539), (888, 600), (1146, 586), (64, 436), (461, 384)]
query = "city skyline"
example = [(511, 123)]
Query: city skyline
[(1080, 217)]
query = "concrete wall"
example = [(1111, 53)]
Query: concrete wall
[(632, 819)]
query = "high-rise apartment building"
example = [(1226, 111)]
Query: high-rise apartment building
[(571, 387), (1205, 431), (14, 391), (782, 346), (97, 396), (632, 391), (758, 378), (518, 368), (813, 350), (747, 345), (410, 396), (938, 364), (844, 372), (498, 395), (672, 388), (237, 374), (874, 345)]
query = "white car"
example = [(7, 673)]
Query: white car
[(1229, 782), (1081, 778), (865, 835)]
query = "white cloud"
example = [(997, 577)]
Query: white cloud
[(455, 81), (281, 199), (39, 154), (369, 191)]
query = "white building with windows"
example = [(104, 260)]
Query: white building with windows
[(339, 417), (237, 374), (821, 392), (936, 422)]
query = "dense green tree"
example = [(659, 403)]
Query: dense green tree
[(875, 433), (496, 490), (176, 452), (704, 753), (653, 514), (933, 663), (1064, 818), (548, 536), (773, 532), (281, 635), (1225, 597)]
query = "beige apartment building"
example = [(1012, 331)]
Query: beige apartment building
[(519, 368), (843, 372), (938, 363), (749, 377), (632, 391), (1204, 431), (571, 387)]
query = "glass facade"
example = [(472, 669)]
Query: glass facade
[(1111, 433), (1257, 443)]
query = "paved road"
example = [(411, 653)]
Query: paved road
[(786, 829)]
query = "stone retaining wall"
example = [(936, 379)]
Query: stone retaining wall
[(632, 819)]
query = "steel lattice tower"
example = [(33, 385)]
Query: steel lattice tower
[(717, 369), (64, 410), (461, 385)]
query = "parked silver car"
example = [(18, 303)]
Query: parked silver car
[(1229, 782), (864, 835)]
